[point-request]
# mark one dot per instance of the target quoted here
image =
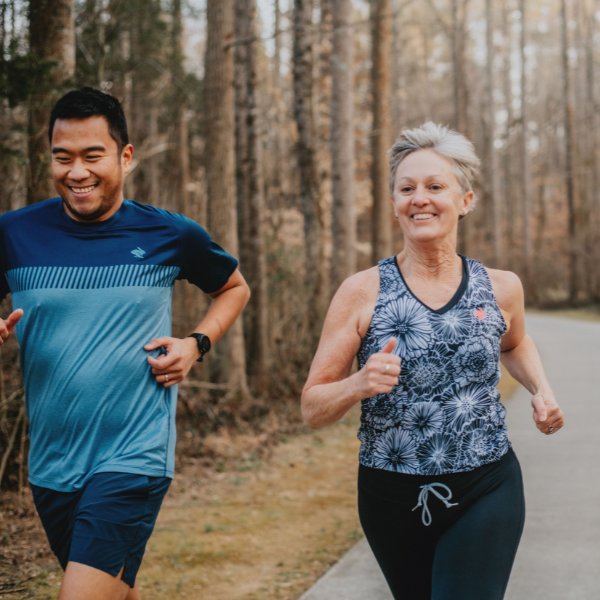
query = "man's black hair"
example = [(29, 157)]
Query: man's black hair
[(89, 102)]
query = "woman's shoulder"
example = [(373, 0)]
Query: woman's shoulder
[(358, 291), (363, 283), (507, 287), (356, 297)]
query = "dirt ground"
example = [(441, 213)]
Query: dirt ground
[(260, 529)]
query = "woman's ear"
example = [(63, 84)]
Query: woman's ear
[(467, 202)]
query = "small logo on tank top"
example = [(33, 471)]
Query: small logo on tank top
[(138, 252), (480, 314)]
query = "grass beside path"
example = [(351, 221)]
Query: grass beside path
[(266, 529), (260, 534)]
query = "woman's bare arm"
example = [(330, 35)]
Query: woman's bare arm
[(330, 391), (519, 353)]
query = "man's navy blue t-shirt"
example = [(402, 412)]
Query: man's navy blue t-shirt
[(93, 294)]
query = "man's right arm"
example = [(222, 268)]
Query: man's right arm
[(227, 304)]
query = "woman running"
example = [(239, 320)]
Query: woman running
[(440, 490)]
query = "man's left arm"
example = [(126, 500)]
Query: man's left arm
[(227, 304)]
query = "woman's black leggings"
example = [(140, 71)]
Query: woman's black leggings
[(467, 551)]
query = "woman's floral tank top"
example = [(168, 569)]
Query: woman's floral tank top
[(445, 415)]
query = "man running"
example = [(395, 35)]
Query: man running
[(91, 277)]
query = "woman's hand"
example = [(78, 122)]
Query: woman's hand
[(381, 371), (547, 414)]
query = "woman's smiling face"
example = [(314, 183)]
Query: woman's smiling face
[(427, 197)]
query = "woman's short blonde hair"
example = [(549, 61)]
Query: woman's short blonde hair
[(450, 144)]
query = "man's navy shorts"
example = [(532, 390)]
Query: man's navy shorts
[(106, 524)]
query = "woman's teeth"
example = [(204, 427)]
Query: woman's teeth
[(423, 217)]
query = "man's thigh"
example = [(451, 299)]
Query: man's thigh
[(82, 581), (109, 522)]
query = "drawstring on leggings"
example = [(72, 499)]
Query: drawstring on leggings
[(425, 489)]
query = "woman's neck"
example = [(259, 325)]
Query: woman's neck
[(430, 263)]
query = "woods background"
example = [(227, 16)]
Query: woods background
[(268, 122)]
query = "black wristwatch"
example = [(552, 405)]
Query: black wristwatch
[(203, 342)]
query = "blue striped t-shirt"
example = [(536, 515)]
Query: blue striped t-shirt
[(93, 294)]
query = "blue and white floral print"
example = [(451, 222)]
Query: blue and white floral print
[(384, 411), (475, 361), (476, 443), (429, 374), (405, 319), (445, 415), (423, 419), (396, 451), (454, 325), (438, 454), (463, 405)]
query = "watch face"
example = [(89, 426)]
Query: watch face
[(204, 343)]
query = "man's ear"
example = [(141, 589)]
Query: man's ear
[(127, 158)]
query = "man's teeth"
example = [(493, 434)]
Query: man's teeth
[(422, 217), (84, 190)]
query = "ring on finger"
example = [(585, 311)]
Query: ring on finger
[(387, 369), (551, 428), (166, 378)]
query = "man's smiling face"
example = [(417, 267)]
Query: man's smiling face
[(88, 169)]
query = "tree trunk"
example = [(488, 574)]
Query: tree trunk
[(182, 158), (592, 195), (251, 196), (259, 344), (460, 96), (310, 184), (568, 124), (398, 86), (220, 168), (507, 154), (382, 48), (459, 35), (189, 303), (492, 162), (343, 218), (526, 256), (52, 40), (279, 115), (154, 161), (242, 32), (129, 187)]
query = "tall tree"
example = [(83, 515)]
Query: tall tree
[(219, 160), (381, 136), (507, 153), (461, 122), (310, 184), (491, 155), (182, 160), (343, 217), (459, 10), (569, 180), (241, 129), (52, 41), (251, 196), (525, 201), (592, 195), (189, 303)]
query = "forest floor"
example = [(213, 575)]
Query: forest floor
[(261, 529)]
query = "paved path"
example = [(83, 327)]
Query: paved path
[(559, 556)]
